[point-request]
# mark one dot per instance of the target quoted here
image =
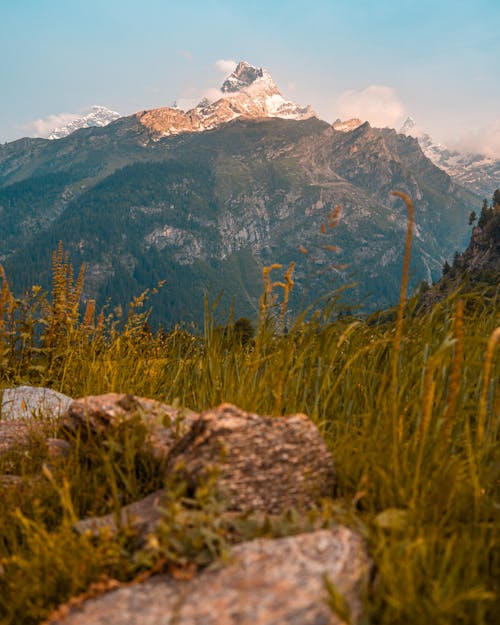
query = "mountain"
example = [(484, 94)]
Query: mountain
[(476, 172), (95, 116), (249, 92), (140, 201)]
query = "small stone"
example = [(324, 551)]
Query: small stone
[(57, 448), (143, 516)]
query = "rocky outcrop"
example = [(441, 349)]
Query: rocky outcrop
[(265, 582), (97, 414), (265, 466), (24, 402), (263, 463)]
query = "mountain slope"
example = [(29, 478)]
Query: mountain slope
[(210, 209), (147, 198)]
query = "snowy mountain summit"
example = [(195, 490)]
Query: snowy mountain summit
[(477, 172), (95, 116), (249, 92)]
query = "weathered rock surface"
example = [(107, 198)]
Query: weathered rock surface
[(266, 463), (24, 402), (98, 413), (267, 582)]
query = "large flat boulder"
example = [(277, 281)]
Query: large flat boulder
[(266, 582), (270, 464), (24, 402)]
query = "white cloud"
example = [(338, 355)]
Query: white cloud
[(378, 104), (212, 94), (43, 127), (185, 104), (484, 140), (226, 66)]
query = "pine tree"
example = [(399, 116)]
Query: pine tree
[(486, 214)]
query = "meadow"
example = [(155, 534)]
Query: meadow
[(407, 401)]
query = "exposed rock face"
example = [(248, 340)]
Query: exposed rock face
[(267, 582), (24, 402), (248, 92), (98, 413), (265, 463)]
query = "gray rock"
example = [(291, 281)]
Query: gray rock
[(266, 582), (24, 402), (270, 464)]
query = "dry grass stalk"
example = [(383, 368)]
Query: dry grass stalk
[(455, 368), (397, 424), (483, 402)]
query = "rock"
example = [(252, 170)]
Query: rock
[(25, 402), (267, 582), (57, 448), (270, 464), (100, 413), (16, 440), (19, 438), (143, 516), (11, 481)]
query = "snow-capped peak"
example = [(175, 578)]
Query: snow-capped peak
[(248, 92), (243, 76), (251, 91), (94, 116), (475, 171), (408, 127)]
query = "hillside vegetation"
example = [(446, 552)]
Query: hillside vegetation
[(409, 409)]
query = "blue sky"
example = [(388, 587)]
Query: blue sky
[(436, 60)]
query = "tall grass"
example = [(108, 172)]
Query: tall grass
[(410, 412)]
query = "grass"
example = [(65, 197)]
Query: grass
[(410, 414)]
